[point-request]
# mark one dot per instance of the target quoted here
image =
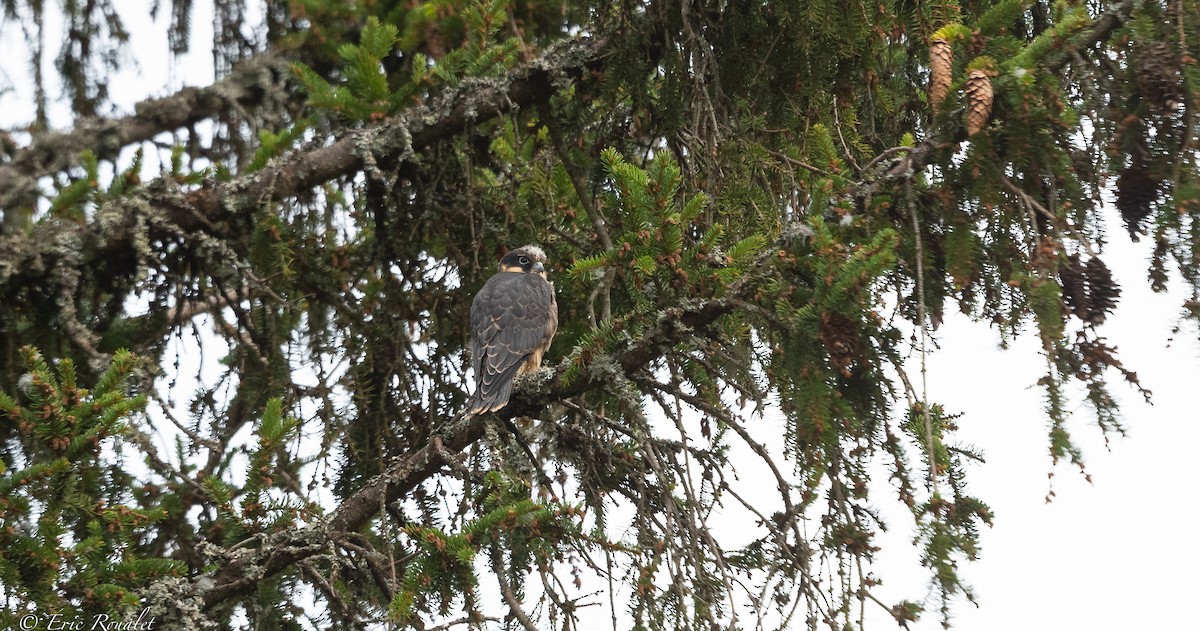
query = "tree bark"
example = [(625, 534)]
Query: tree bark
[(248, 86)]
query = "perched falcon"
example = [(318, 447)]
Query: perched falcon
[(513, 320)]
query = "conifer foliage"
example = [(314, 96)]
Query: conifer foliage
[(235, 318), (74, 529)]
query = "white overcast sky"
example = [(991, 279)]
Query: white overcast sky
[(1120, 554)]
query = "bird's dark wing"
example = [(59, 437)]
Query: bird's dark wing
[(511, 318)]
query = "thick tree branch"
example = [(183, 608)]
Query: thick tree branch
[(401, 138), (531, 396), (898, 165), (250, 84), (215, 209), (1101, 28)]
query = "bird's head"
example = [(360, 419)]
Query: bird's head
[(525, 260)]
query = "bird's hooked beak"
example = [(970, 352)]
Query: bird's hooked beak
[(539, 268)]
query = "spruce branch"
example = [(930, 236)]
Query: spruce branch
[(506, 590), (921, 322), (242, 573), (250, 84), (894, 165), (1035, 206), (1100, 30), (216, 209), (603, 289)]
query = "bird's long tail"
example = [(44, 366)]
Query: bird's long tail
[(490, 402)]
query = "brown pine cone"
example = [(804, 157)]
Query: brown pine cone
[(1074, 287), (1102, 290), (1158, 77), (840, 337), (1136, 190), (941, 62), (979, 101)]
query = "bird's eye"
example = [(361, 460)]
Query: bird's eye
[(524, 260)]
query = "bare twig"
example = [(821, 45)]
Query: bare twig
[(578, 181), (191, 308), (794, 162), (886, 153), (921, 319), (359, 544), (506, 591), (468, 620), (1035, 206), (599, 224), (50, 152)]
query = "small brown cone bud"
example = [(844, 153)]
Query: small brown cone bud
[(941, 60), (979, 100)]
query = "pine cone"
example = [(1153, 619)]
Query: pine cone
[(1158, 77), (941, 61), (1136, 190), (979, 101), (840, 338), (1158, 265), (1102, 290), (1074, 287), (976, 43)]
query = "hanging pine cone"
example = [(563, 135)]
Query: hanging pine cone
[(1158, 77), (1074, 287), (941, 61), (1136, 190), (840, 337), (1158, 265), (976, 43), (979, 100), (1102, 290)]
